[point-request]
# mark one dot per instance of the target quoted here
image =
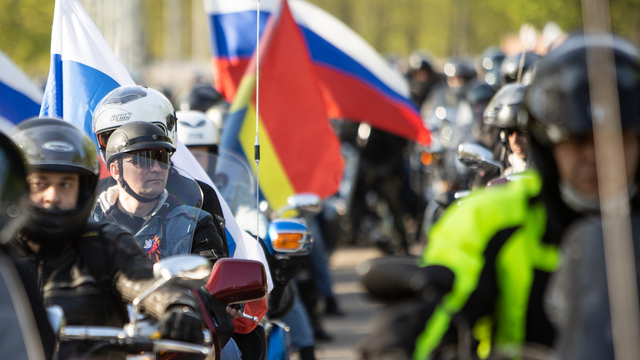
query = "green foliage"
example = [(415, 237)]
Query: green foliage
[(443, 27), (439, 26), (25, 33)]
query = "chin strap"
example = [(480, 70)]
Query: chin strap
[(581, 204), (123, 184)]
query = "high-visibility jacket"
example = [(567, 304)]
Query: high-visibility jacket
[(494, 233)]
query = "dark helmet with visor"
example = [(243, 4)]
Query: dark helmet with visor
[(510, 67), (14, 191), (558, 101), (558, 105), (54, 145), (505, 106), (200, 98), (149, 145)]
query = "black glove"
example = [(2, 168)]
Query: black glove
[(182, 323)]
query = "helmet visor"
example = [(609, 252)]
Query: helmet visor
[(146, 159)]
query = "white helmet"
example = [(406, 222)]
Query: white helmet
[(132, 103), (196, 129)]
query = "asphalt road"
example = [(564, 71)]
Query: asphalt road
[(350, 330)]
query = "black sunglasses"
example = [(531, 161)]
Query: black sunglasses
[(146, 159)]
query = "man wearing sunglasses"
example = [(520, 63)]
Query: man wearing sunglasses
[(137, 157)]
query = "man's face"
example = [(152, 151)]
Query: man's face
[(576, 161), (146, 177), (48, 190)]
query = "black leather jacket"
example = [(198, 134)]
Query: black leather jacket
[(94, 274)]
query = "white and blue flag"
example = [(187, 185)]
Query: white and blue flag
[(83, 70), (19, 98), (83, 67)]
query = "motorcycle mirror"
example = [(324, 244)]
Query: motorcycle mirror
[(56, 318), (476, 157), (289, 237), (306, 202), (237, 280), (192, 270)]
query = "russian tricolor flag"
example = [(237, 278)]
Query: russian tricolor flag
[(83, 70), (356, 82), (19, 98)]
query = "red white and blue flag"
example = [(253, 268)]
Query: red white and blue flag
[(19, 98), (356, 82)]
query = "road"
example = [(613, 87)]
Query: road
[(350, 330)]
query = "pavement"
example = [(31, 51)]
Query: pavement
[(350, 330)]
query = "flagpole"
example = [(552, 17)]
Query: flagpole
[(257, 144)]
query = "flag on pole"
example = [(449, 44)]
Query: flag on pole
[(299, 151), (19, 98), (356, 82), (83, 70)]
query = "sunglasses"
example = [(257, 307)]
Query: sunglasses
[(146, 159)]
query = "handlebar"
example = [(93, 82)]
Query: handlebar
[(252, 318), (132, 344)]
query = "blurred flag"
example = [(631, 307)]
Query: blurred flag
[(83, 67), (83, 70), (19, 97), (355, 81), (299, 151)]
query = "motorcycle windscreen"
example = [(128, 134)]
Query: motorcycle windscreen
[(153, 200), (233, 177)]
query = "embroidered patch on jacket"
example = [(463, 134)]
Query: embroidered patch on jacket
[(152, 247)]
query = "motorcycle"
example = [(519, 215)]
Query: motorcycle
[(284, 241), (140, 336), (168, 232)]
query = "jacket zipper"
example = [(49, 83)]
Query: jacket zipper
[(41, 278)]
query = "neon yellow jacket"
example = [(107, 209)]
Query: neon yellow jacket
[(500, 226)]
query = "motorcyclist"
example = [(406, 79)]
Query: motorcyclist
[(139, 103), (138, 153), (491, 256), (491, 60), (26, 332), (200, 135), (510, 68), (422, 77), (89, 270), (205, 98), (502, 113)]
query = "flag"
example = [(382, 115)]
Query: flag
[(356, 82), (83, 70), (19, 98), (299, 151)]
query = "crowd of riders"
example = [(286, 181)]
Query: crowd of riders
[(510, 173), (510, 168)]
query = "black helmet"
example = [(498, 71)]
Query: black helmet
[(503, 109), (460, 68), (511, 66), (558, 101), (419, 61), (138, 138), (199, 97), (54, 145), (492, 58), (14, 192), (480, 93)]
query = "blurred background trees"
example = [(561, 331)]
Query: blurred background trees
[(158, 34)]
